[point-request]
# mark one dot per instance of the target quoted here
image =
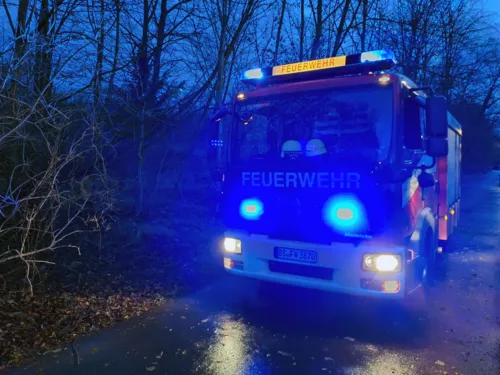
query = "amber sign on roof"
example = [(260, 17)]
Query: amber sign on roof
[(309, 66)]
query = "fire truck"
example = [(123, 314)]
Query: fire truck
[(336, 174)]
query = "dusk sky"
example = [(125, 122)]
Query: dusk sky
[(493, 5)]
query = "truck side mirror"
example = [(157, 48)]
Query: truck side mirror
[(412, 132), (436, 113)]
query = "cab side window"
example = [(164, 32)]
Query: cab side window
[(414, 124)]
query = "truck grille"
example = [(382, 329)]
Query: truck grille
[(303, 223), (321, 273)]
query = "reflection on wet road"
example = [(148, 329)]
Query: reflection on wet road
[(225, 330)]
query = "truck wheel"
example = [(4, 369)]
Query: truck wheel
[(436, 263), (430, 260), (417, 303), (437, 268)]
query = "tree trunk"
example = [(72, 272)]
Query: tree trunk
[(143, 87), (318, 30), (221, 63), (228, 50), (20, 43), (339, 36), (142, 61), (363, 25), (302, 30), (117, 50), (139, 207), (155, 81), (100, 57), (43, 68), (278, 34)]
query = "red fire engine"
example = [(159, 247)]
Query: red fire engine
[(337, 174)]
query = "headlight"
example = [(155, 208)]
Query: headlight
[(232, 245), (382, 263)]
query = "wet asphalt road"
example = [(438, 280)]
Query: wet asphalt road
[(221, 330)]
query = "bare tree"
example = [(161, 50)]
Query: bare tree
[(318, 30), (101, 40), (54, 182), (160, 23), (278, 33), (116, 53), (333, 19), (460, 26), (19, 31), (228, 20), (342, 29), (302, 29)]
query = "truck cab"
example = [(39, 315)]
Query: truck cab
[(330, 176)]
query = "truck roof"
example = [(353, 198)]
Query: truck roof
[(297, 86), (339, 81)]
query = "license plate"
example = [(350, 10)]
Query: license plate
[(305, 256)]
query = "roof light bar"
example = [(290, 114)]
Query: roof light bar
[(254, 74), (332, 66), (372, 56)]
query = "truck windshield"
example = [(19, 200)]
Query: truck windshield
[(340, 122)]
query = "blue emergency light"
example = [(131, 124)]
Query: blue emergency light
[(217, 143), (345, 213), (374, 56), (253, 74), (369, 61), (251, 209)]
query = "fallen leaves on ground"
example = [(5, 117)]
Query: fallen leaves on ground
[(85, 294), (43, 321)]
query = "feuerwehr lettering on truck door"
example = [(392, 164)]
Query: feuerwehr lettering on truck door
[(322, 180)]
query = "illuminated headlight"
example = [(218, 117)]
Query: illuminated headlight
[(382, 263), (232, 245)]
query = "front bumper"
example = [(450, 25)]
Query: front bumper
[(338, 267)]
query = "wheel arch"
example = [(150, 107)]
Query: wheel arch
[(425, 223)]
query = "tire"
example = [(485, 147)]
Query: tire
[(430, 257), (438, 266)]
